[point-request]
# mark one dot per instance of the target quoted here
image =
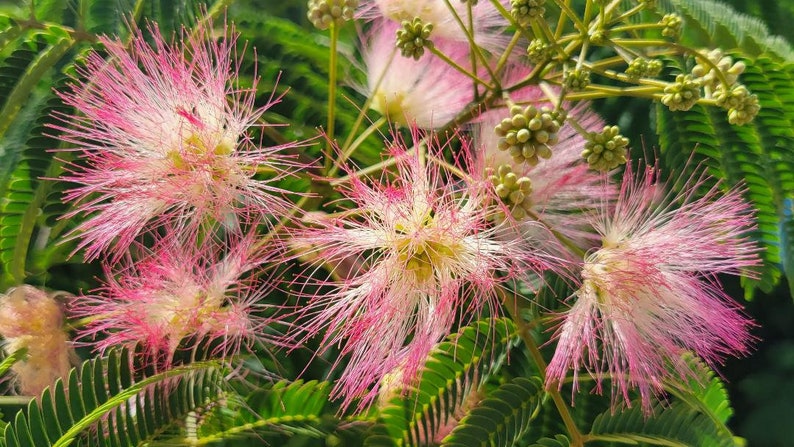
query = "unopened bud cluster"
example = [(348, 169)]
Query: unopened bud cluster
[(538, 51), (742, 106), (605, 150), (414, 37), (529, 132), (577, 79), (709, 77), (672, 25), (514, 191), (525, 10), (322, 13), (683, 93), (644, 68)]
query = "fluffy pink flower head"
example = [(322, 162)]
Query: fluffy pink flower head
[(427, 92), (31, 319), (164, 135), (650, 293), (427, 254), (564, 190), (487, 20), (204, 291)]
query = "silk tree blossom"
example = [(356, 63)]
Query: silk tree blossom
[(426, 254), (487, 21), (164, 134), (204, 290), (650, 293), (32, 319), (427, 92)]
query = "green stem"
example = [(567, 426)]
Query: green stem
[(627, 14), (332, 69), (577, 440), (475, 49), (348, 151), (561, 23), (457, 67), (500, 64), (363, 111), (567, 10)]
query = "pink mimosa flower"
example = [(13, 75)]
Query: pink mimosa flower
[(31, 319), (427, 92), (488, 22), (650, 293), (427, 255), (164, 135), (201, 290)]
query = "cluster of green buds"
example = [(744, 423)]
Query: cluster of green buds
[(672, 24), (538, 51), (514, 191), (605, 150), (577, 79), (718, 67), (323, 13), (719, 75), (683, 93), (742, 106), (525, 10), (414, 37), (641, 67), (529, 132)]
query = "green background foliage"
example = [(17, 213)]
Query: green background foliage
[(195, 402)]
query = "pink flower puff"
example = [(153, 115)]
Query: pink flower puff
[(163, 134), (206, 291), (650, 293), (426, 253)]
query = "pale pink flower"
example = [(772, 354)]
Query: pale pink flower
[(32, 319), (427, 92), (488, 22), (427, 256), (565, 191), (164, 134), (650, 293), (204, 290)]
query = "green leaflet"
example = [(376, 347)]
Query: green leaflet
[(713, 24), (558, 441), (757, 155), (105, 405), (502, 418), (697, 415), (291, 407), (455, 368)]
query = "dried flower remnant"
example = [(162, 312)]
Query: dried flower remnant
[(428, 254), (176, 291), (31, 319), (649, 294), (164, 136)]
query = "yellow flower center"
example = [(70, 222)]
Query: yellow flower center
[(424, 249)]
